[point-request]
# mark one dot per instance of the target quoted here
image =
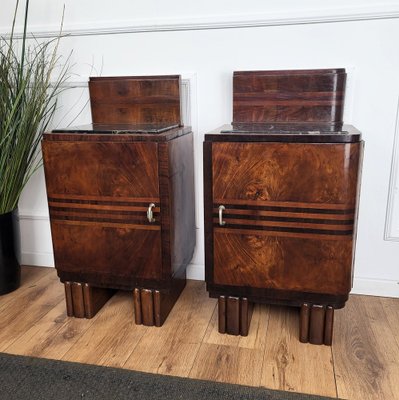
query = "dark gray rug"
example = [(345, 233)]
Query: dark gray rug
[(39, 379)]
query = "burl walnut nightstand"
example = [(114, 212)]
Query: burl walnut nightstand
[(121, 198), (281, 197)]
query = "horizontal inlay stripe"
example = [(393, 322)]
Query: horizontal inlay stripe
[(289, 204), (253, 103), (289, 229), (304, 225), (160, 100), (280, 234), (285, 95), (97, 219), (151, 227), (120, 217), (92, 207), (280, 215), (79, 211), (101, 199), (341, 211)]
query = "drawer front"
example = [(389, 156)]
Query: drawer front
[(283, 215)]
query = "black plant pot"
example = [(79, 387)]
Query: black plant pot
[(10, 270)]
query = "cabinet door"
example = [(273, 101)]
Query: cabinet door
[(98, 197), (289, 211)]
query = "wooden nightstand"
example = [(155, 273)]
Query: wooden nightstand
[(121, 198), (281, 191)]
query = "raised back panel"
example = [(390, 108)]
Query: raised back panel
[(296, 96), (135, 99)]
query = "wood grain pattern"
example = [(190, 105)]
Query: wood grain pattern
[(291, 365), (173, 349), (145, 99), (23, 311), (107, 256), (294, 172), (366, 355), (112, 336), (125, 169), (297, 264), (365, 361), (315, 96), (234, 359), (52, 336)]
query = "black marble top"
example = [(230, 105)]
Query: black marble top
[(118, 128), (305, 133)]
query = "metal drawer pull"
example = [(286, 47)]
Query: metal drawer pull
[(221, 209), (150, 216)]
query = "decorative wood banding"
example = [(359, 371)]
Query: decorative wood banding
[(316, 324), (315, 96), (260, 204), (286, 222), (149, 99), (129, 213), (234, 315), (299, 215), (84, 300), (103, 199), (286, 217)]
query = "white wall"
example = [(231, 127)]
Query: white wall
[(205, 42)]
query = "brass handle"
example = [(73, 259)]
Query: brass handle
[(221, 209), (150, 215)]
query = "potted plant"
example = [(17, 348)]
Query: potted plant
[(31, 78)]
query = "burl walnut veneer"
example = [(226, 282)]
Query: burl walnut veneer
[(121, 198), (281, 191)]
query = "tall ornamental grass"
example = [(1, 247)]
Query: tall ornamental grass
[(31, 78)]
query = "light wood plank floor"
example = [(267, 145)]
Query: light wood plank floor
[(363, 362)]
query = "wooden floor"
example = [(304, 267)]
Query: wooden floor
[(363, 362)]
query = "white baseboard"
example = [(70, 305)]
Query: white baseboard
[(37, 259), (196, 272), (376, 287)]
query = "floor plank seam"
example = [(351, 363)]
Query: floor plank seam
[(333, 365), (264, 350), (202, 341)]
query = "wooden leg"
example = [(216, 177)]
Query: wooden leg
[(329, 324), (151, 307), (234, 315), (316, 324), (83, 300), (304, 319)]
